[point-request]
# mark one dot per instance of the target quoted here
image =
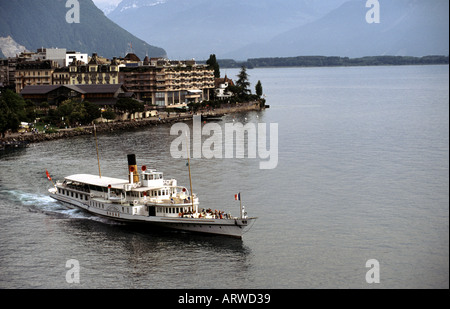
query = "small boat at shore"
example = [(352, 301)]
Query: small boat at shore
[(212, 117), (147, 198)]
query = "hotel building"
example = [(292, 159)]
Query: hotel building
[(168, 83)]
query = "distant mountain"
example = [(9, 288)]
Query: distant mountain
[(198, 28), (406, 28), (9, 47), (107, 6), (42, 23)]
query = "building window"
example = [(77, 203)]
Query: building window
[(161, 98)]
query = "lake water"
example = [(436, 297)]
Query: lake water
[(362, 173)]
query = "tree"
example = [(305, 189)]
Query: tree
[(213, 64), (12, 111), (128, 105), (235, 90), (259, 89), (242, 83), (92, 112), (109, 114), (76, 111), (72, 111), (29, 111)]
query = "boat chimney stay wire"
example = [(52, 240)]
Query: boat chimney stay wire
[(96, 147), (190, 179)]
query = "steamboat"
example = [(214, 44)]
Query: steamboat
[(147, 198)]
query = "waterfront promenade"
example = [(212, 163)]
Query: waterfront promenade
[(161, 118)]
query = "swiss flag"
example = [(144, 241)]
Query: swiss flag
[(48, 175)]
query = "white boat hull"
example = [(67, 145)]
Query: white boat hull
[(234, 227)]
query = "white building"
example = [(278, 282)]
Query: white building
[(63, 57), (71, 55), (221, 87), (55, 54)]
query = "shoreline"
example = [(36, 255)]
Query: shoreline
[(17, 140), (332, 61)]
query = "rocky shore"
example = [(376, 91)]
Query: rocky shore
[(26, 138), (17, 138)]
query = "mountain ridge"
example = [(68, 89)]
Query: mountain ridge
[(198, 28), (42, 23), (407, 28), (244, 29)]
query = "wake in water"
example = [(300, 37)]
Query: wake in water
[(45, 204)]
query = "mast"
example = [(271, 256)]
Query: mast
[(189, 168), (96, 147), (240, 204)]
